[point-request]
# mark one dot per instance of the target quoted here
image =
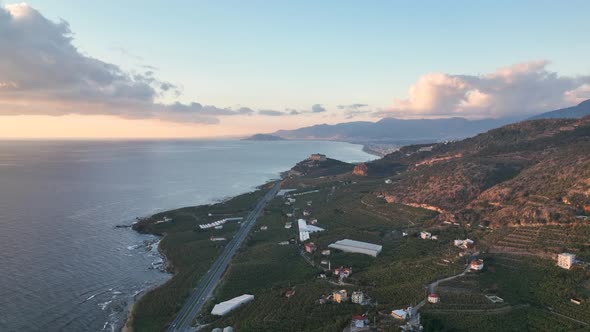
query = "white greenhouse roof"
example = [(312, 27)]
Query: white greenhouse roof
[(229, 305)]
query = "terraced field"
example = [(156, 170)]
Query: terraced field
[(544, 241)]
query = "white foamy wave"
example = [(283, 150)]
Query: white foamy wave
[(104, 305)]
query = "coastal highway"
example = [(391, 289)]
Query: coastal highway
[(208, 282)]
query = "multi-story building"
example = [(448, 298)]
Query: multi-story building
[(357, 297), (565, 260)]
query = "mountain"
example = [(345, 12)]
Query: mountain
[(532, 172), (264, 137), (575, 112), (395, 130), (392, 130)]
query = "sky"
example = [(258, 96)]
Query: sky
[(137, 69)]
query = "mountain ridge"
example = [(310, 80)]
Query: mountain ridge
[(575, 112)]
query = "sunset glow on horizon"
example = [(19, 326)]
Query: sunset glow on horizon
[(63, 78)]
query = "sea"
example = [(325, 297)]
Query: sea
[(64, 263)]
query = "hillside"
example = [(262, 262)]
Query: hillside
[(263, 137), (526, 173), (575, 112)]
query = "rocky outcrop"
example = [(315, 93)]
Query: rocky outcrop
[(360, 170), (533, 172)]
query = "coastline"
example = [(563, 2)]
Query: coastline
[(141, 227), (145, 226), (369, 150), (168, 268)]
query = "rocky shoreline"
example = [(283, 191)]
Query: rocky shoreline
[(162, 264)]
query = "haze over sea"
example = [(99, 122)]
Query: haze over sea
[(64, 264)]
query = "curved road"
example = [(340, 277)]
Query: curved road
[(205, 288)]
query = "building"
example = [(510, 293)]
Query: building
[(353, 246), (305, 230), (288, 225), (326, 252), (263, 228), (388, 181), (476, 265), (219, 222), (340, 296), (343, 272), (228, 329), (495, 299), (425, 235), (434, 237), (217, 329), (223, 308), (464, 244), (402, 314), (306, 213), (214, 239), (357, 297), (360, 321), (433, 298), (318, 157), (313, 221), (290, 293), (310, 247), (565, 260), (576, 301)]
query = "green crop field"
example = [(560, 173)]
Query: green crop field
[(189, 251)]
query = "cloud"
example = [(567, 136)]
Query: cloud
[(318, 108), (351, 106), (43, 73), (353, 110), (272, 113), (521, 89)]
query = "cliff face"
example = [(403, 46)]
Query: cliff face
[(530, 172)]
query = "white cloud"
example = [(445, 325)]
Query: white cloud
[(521, 89), (43, 73)]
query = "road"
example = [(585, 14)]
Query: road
[(432, 288), (208, 282)]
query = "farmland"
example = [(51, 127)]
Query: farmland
[(396, 278)]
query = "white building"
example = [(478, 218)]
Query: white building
[(227, 306), (219, 222), (425, 235), (357, 297), (357, 247), (464, 244), (305, 230), (476, 265), (433, 298), (565, 260)]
